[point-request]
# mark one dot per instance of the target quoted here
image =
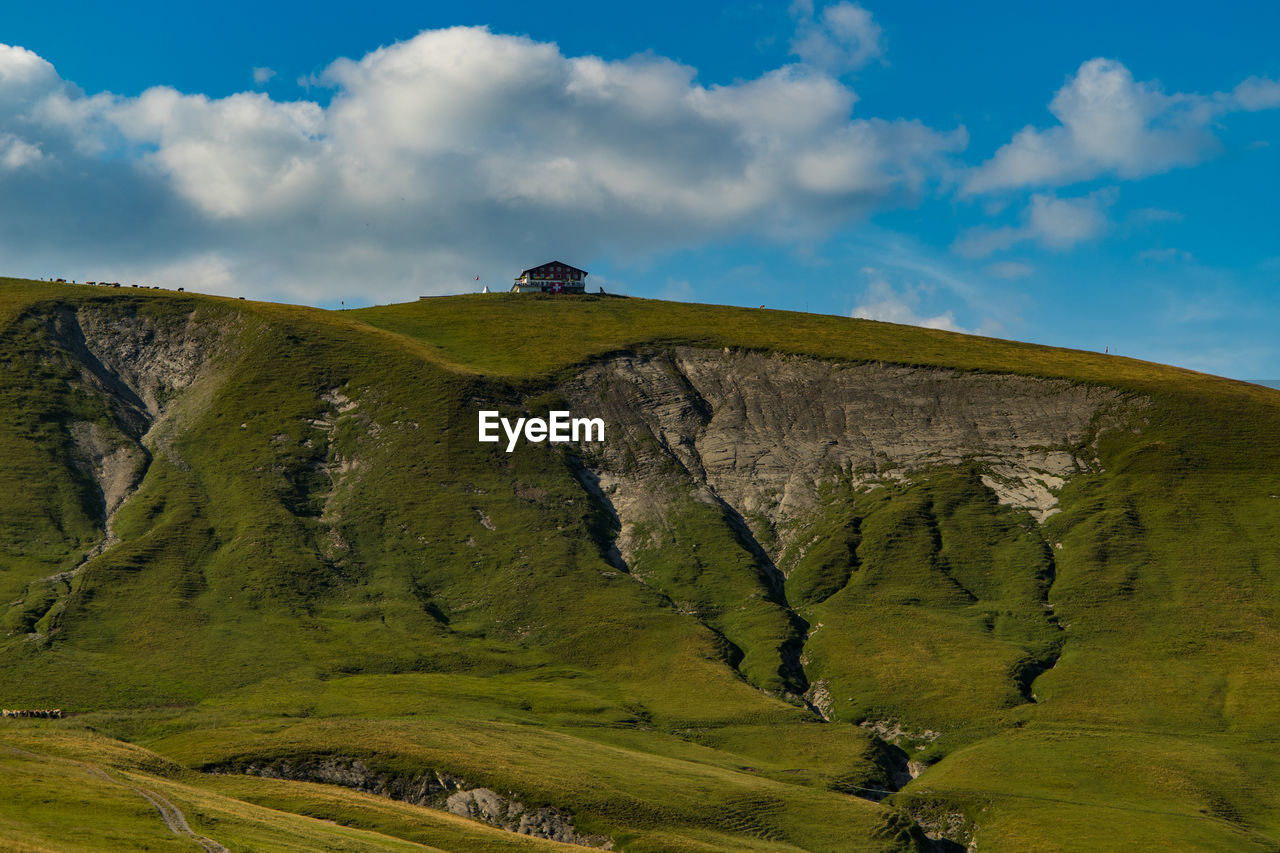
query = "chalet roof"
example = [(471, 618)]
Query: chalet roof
[(562, 264)]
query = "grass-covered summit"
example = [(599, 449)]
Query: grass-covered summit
[(828, 584)]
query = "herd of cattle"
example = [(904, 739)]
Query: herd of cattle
[(110, 284), (45, 713)]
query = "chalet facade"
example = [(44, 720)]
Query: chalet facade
[(553, 277)]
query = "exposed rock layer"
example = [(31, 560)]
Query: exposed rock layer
[(763, 432), (505, 813), (433, 789), (141, 365)]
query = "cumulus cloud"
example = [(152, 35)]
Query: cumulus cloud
[(843, 37), (1051, 222), (457, 151), (262, 76), (1112, 124), (1256, 93), (14, 153), (24, 78), (882, 301), (240, 155)]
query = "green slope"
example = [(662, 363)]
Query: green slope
[(320, 560)]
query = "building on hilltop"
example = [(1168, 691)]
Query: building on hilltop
[(553, 277)]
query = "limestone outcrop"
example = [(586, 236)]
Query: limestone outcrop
[(763, 432)]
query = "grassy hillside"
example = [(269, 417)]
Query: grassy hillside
[(319, 561)]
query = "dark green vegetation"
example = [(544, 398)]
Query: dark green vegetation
[(310, 558)]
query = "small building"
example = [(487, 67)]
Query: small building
[(553, 277)]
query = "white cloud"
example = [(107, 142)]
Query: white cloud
[(1111, 124), (207, 272), (458, 151), (882, 301), (262, 76), (1257, 93), (24, 78), (843, 38), (1051, 222), (243, 154), (14, 153), (1061, 223), (912, 266)]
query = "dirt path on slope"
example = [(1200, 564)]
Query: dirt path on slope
[(171, 814), (177, 821)]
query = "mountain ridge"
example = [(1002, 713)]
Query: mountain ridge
[(319, 559)]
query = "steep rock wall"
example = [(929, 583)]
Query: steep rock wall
[(141, 365), (763, 432)]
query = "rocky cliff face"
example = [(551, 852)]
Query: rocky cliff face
[(722, 469), (492, 808), (140, 365), (432, 789), (763, 433), (427, 788)]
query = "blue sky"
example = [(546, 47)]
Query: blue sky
[(1082, 176)]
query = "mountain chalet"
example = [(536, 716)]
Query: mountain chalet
[(553, 277)]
